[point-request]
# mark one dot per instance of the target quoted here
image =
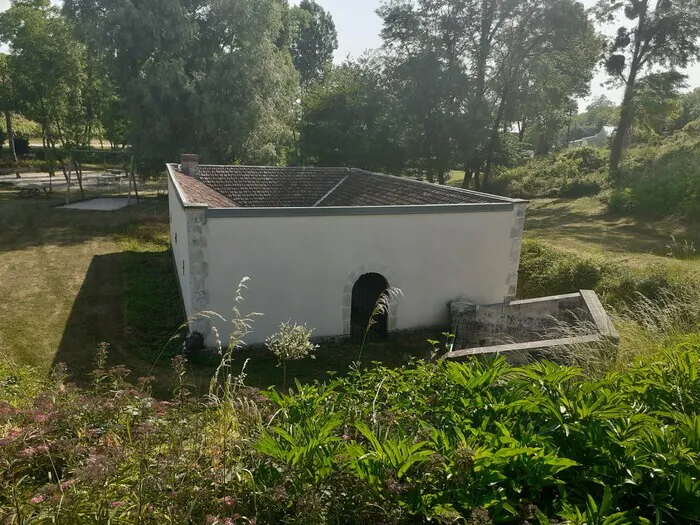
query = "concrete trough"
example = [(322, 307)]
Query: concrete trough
[(531, 329)]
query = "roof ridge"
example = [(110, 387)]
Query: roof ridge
[(439, 186), (331, 191)]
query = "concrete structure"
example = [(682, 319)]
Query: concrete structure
[(530, 329), (310, 238), (599, 140)]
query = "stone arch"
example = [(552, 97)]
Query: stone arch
[(392, 281)]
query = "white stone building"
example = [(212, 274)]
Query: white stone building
[(599, 140), (321, 244)]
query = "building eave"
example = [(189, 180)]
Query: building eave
[(425, 209)]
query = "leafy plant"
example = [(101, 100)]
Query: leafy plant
[(292, 342)]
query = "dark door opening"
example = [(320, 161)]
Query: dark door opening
[(365, 294)]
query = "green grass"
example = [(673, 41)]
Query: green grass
[(584, 226), (69, 281)]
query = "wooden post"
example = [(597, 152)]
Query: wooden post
[(133, 178), (70, 169)]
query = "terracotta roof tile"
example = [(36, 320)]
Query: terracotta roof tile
[(363, 188), (272, 187), (196, 192), (280, 187)]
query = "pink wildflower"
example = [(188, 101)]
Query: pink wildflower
[(116, 504), (37, 499), (68, 483), (227, 500)]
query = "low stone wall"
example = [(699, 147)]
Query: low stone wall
[(534, 326)]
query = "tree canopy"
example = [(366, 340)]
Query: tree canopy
[(468, 85)]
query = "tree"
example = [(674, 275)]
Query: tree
[(313, 41), (350, 119), (47, 69), (7, 102), (690, 108), (425, 45), (658, 103), (216, 81), (658, 33), (600, 112), (557, 75)]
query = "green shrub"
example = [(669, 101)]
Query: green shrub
[(546, 271), (660, 180), (577, 172), (446, 442), (21, 146)]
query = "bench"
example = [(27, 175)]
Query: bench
[(32, 190)]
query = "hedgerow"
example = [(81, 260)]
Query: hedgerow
[(576, 172), (547, 271), (661, 179), (445, 442)]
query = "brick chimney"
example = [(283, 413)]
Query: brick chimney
[(189, 164)]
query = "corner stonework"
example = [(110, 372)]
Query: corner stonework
[(197, 244), (516, 244)]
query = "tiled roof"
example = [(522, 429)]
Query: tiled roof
[(272, 187), (196, 192), (363, 188), (281, 187)]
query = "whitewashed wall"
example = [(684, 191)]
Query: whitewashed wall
[(300, 267), (179, 242)]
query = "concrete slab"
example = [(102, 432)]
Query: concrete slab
[(101, 204)]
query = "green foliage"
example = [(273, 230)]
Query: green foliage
[(348, 121), (291, 343), (21, 146), (23, 127), (651, 34), (575, 172), (662, 179), (546, 271), (477, 442), (313, 41)]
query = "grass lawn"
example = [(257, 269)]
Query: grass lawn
[(584, 226)]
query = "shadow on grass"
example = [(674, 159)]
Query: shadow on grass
[(331, 360), (131, 301), (37, 221), (563, 220)]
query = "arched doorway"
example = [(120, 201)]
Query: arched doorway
[(365, 293)]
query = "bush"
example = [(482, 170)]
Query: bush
[(660, 180), (21, 146), (546, 271), (446, 442), (576, 172)]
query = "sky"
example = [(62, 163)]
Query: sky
[(358, 29)]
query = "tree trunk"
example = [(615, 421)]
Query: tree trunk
[(543, 146), (521, 130), (10, 135), (623, 127), (627, 108), (476, 126), (493, 141), (468, 175), (79, 174), (477, 182)]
